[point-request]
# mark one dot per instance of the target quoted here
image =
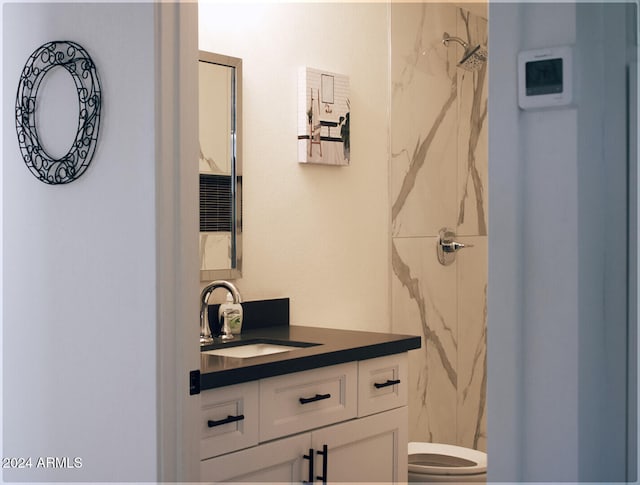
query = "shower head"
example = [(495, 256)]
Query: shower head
[(474, 56)]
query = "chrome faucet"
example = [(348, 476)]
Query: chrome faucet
[(205, 329)]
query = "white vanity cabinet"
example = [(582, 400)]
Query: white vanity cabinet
[(341, 423)]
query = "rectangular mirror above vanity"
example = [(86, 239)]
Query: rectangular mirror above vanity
[(220, 166)]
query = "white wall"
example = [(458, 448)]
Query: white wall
[(505, 295), (317, 234), (176, 83), (557, 291), (79, 261), (602, 199)]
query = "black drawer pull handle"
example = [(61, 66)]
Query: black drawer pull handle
[(311, 459), (229, 419), (325, 458), (317, 397), (380, 385)]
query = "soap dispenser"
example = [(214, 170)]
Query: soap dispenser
[(234, 312)]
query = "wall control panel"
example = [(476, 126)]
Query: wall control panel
[(545, 77)]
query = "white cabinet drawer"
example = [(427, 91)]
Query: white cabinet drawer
[(229, 419), (382, 383), (304, 400)]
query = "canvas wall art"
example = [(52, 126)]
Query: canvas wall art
[(323, 117)]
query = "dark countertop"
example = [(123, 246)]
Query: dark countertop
[(333, 347)]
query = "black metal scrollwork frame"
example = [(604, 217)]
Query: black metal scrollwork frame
[(77, 62)]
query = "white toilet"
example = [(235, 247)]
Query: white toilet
[(437, 462)]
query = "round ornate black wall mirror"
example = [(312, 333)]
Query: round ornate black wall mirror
[(77, 62)]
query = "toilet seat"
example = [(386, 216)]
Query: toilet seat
[(474, 461)]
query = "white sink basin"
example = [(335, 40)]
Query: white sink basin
[(250, 350)]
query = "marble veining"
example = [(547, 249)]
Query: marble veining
[(479, 366), (477, 115), (438, 178), (403, 272), (424, 56), (420, 154), (477, 121)]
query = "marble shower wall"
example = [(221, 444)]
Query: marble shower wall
[(439, 179)]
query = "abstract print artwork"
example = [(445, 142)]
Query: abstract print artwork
[(323, 117)]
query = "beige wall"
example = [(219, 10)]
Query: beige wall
[(316, 234)]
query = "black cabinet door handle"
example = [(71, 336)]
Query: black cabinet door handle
[(325, 459), (317, 397), (379, 385), (310, 458), (229, 419)]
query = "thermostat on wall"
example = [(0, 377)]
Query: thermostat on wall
[(545, 77)]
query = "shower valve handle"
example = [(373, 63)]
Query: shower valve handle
[(447, 246), (453, 246)]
